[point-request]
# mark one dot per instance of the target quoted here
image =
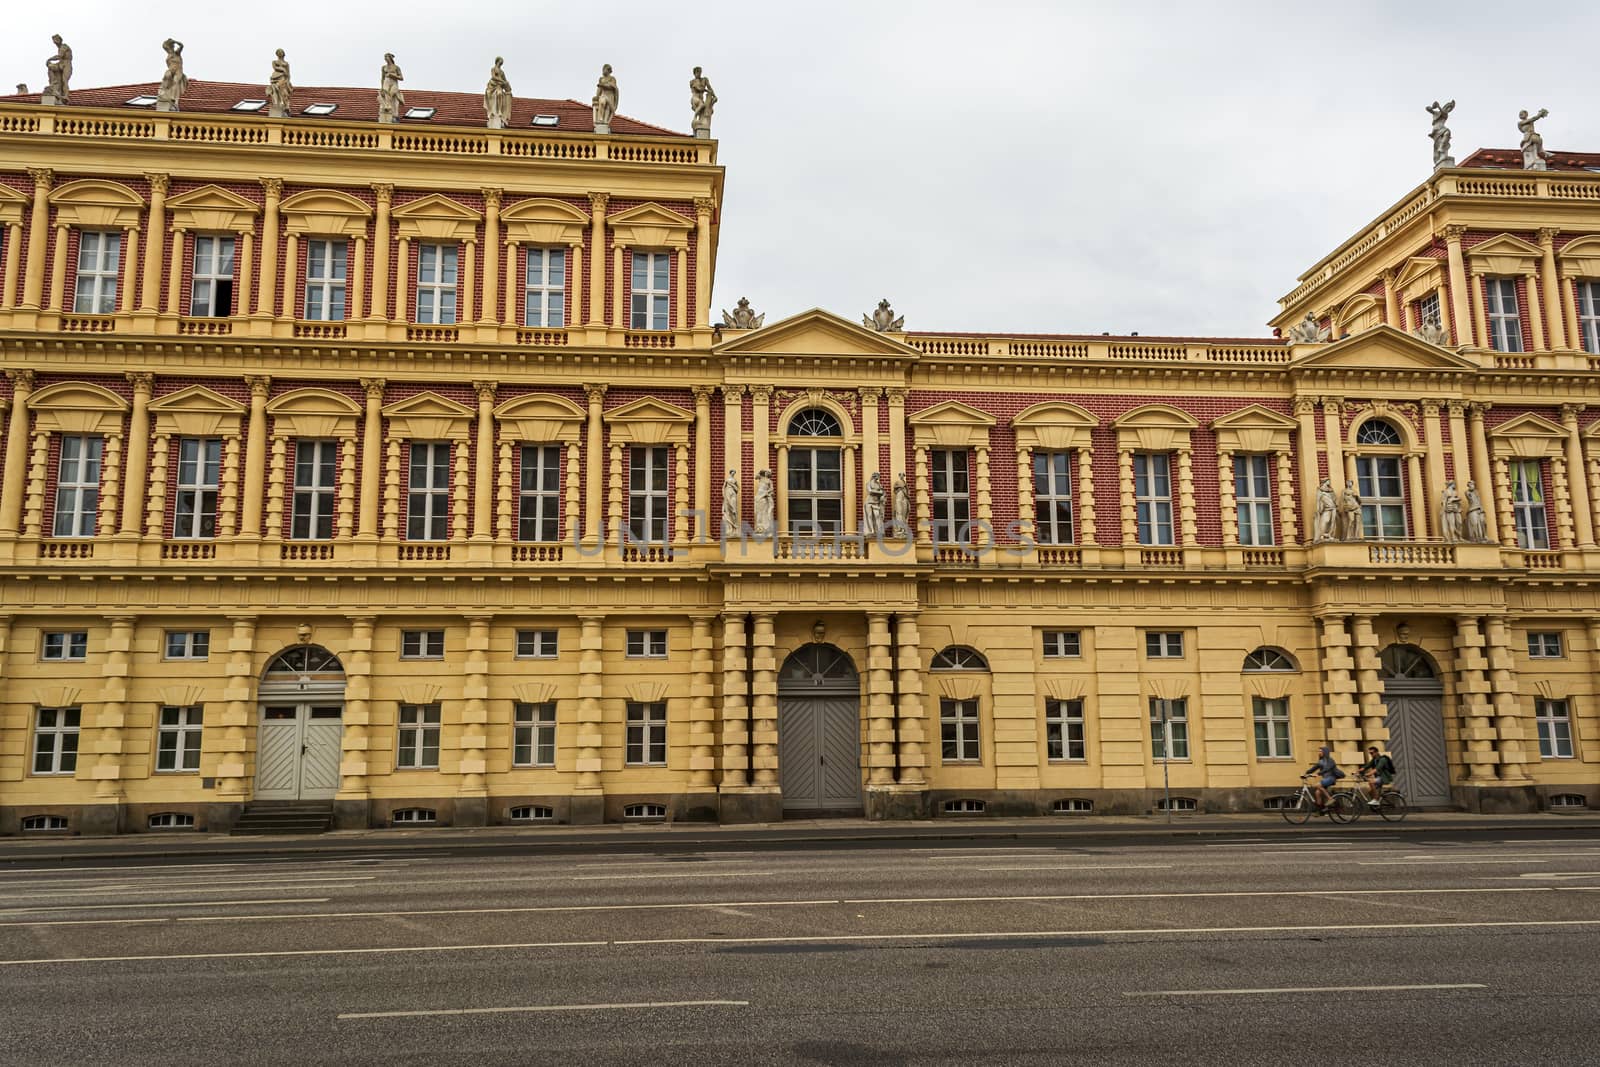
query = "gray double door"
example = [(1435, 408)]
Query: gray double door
[(1416, 742), (819, 752)]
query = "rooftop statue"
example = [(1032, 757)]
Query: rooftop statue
[(702, 101), (743, 318), (497, 97), (883, 319), (58, 73), (1307, 331), (390, 99), (605, 100), (279, 88), (1432, 331), (1441, 134), (173, 80), (1533, 153)]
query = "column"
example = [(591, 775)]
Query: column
[(760, 431), (469, 281), (1460, 309), (13, 243), (880, 701), (1391, 301), (128, 283), (175, 272), (735, 705), (1305, 411), (678, 522), (1339, 689), (255, 460), (1480, 315), (277, 475), (594, 466), (1333, 439), (1578, 483), (614, 491), (402, 283), (1472, 695), (897, 436), (474, 740), (289, 275), (922, 506), (764, 703), (344, 514), (1369, 690), (1510, 735), (575, 272), (1569, 309), (267, 284), (491, 258), (371, 458), (852, 506), (871, 453), (483, 466), (1550, 289), (391, 490), (680, 305), (1433, 445), (702, 710), (912, 710), (58, 267), (1561, 502), (38, 467), (1482, 472), (228, 502), (38, 236), (138, 452), (108, 742), (502, 493), (1535, 312), (1027, 514), (384, 193), (1422, 509), (702, 462), (597, 260), (703, 208), (591, 688), (1229, 508), (1130, 517), (238, 711), (460, 503), (619, 307), (573, 503), (16, 471), (357, 660)]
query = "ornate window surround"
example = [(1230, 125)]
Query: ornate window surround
[(1056, 426), (1157, 428)]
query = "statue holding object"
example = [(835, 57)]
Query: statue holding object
[(173, 80), (1441, 134)]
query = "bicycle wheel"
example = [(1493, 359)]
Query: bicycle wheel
[(1392, 806), (1342, 808), (1299, 813)]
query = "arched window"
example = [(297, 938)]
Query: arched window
[(959, 658), (305, 659), (1380, 479), (816, 478), (1406, 661), (1266, 659), (1378, 432), (814, 422)]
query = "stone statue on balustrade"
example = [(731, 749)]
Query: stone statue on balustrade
[(497, 97), (1533, 153), (883, 319), (173, 80), (1432, 331), (1307, 331), (1441, 134), (1451, 525), (58, 74), (872, 523), (702, 101), (902, 503), (1477, 521), (606, 99), (743, 318), (1350, 514), (766, 501), (1326, 525), (279, 88), (390, 99), (730, 505)]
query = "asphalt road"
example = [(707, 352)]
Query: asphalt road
[(1371, 946)]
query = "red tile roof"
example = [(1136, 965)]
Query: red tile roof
[(1511, 158), (361, 105)]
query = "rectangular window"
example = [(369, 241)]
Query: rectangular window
[(1589, 316), (99, 255), (1544, 645), (545, 288), (1272, 727), (1527, 504), (647, 644), (178, 740), (539, 505), (77, 487), (1059, 644), (1428, 308), (194, 511), (1505, 318), (1252, 494), (188, 644), (1152, 495), (211, 293), (436, 284), (647, 734), (534, 735), (958, 730), (1169, 728), (311, 512), (538, 644), (1163, 644), (952, 506), (55, 741), (1052, 498), (1063, 730), (326, 262), (1555, 728), (651, 286), (422, 644), (417, 746), (647, 493), (1383, 497), (65, 645), (428, 504)]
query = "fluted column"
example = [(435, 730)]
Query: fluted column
[(912, 711), (702, 709), (371, 457), (597, 260), (1510, 733), (267, 282), (1460, 308), (384, 194), (38, 238), (880, 701), (483, 465), (735, 703), (594, 466), (764, 709), (591, 688), (702, 462), (138, 452), (703, 209), (1482, 471), (255, 460), (1578, 485), (491, 258), (13, 489), (238, 713), (1472, 695)]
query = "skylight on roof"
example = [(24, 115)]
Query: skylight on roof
[(546, 120), (318, 109), (249, 105), (142, 100), (420, 112)]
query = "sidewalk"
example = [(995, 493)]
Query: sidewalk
[(794, 832)]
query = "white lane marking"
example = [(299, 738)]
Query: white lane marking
[(645, 1005), (981, 848), (1301, 989), (1564, 874), (1429, 861), (130, 867), (1077, 867), (307, 952), (1190, 896), (676, 874), (272, 888), (171, 904)]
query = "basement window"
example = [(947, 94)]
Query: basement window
[(44, 822), (420, 112), (965, 807), (533, 813), (171, 820), (546, 120), (1072, 806), (1279, 803), (1569, 800), (319, 109), (142, 100), (249, 105), (1178, 804), (402, 815), (645, 811)]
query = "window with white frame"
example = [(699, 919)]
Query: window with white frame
[(422, 644), (1252, 494), (537, 644), (311, 509), (545, 288), (326, 266), (647, 644), (65, 645), (1505, 317), (539, 502), (417, 743), (1169, 727), (1544, 645), (211, 291), (1052, 498), (77, 486), (55, 740), (428, 503), (815, 485), (1589, 316), (1271, 716), (1383, 497), (178, 740), (1555, 728), (1062, 644), (99, 257), (436, 284), (194, 512), (652, 285), (534, 735), (1527, 504), (1428, 308), (958, 730), (1063, 730), (647, 733), (1163, 644), (647, 493), (188, 644), (951, 495), (958, 658), (1266, 660), (1152, 495)]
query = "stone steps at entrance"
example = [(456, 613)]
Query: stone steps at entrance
[(285, 817)]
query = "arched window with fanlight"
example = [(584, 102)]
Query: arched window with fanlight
[(1267, 660), (958, 715), (1270, 713), (816, 477), (1380, 479)]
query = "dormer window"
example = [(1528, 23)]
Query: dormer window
[(546, 120), (319, 109), (249, 105), (142, 100), (420, 112)]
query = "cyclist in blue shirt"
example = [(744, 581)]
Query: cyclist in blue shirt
[(1327, 772)]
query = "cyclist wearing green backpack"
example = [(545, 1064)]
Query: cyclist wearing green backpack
[(1377, 772)]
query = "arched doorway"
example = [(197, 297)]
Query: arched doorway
[(819, 731), (301, 725), (1413, 700)]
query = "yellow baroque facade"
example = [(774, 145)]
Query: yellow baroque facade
[(388, 473)]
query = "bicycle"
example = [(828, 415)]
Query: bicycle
[(1391, 803), (1340, 807)]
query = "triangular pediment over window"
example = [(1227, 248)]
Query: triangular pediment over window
[(952, 424), (1420, 274), (428, 416), (12, 205), (1254, 429), (649, 226), (196, 411), (815, 333), (649, 421), (1381, 347), (1528, 425), (212, 208)]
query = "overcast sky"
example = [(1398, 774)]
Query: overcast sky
[(1166, 168)]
